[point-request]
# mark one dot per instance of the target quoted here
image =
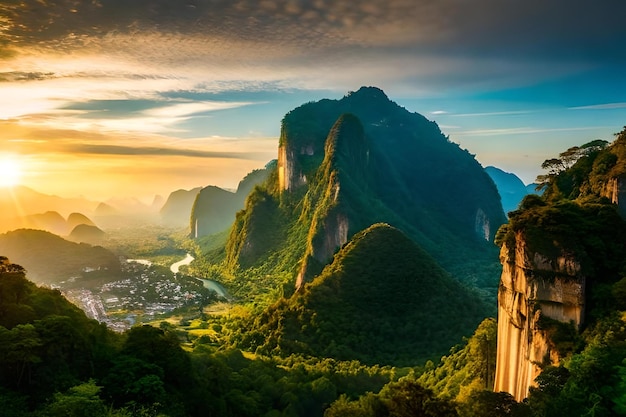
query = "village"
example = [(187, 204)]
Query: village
[(146, 292)]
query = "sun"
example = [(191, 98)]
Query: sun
[(10, 172)]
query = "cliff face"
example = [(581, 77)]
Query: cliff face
[(214, 208), (344, 168), (346, 164), (616, 191), (533, 287)]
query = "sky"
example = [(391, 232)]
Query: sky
[(103, 98)]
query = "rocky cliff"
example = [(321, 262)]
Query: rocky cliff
[(346, 164), (615, 190), (214, 208), (559, 262), (345, 146), (533, 287)]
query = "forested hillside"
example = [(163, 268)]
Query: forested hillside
[(54, 361), (383, 300), (49, 258), (344, 165)]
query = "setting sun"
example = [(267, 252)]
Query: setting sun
[(10, 172)]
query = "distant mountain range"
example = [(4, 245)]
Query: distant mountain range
[(511, 188), (49, 258)]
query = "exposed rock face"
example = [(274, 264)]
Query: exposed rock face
[(289, 175), (345, 147), (481, 225), (214, 208), (616, 191), (346, 164), (532, 286)]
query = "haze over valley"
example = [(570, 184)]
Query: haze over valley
[(312, 208)]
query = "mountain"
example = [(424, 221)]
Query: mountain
[(177, 208), (157, 203), (214, 208), (562, 284), (383, 300), (511, 188), (18, 203), (49, 258), (87, 233), (76, 219), (50, 221), (104, 210), (346, 164)]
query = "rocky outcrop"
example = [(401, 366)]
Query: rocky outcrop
[(615, 190), (533, 287), (214, 208), (482, 225), (346, 164)]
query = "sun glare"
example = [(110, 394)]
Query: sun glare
[(10, 172)]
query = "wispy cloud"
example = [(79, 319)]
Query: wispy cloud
[(98, 149), (605, 106), (495, 113), (525, 131)]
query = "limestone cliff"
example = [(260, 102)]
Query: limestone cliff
[(214, 208), (532, 287), (615, 190), (346, 164)]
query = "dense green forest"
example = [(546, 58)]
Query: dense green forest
[(383, 300), (57, 362), (381, 331), (348, 164)]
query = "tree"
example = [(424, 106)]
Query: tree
[(493, 404), (408, 398), (79, 401), (20, 351)]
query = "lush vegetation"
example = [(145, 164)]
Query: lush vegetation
[(359, 161), (56, 362), (50, 258), (365, 337), (383, 300), (214, 209)]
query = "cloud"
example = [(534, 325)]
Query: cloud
[(495, 113), (119, 49), (605, 106), (68, 23), (101, 149), (12, 76), (525, 131)]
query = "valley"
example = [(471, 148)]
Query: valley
[(145, 293), (339, 286)]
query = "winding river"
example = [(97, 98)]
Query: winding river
[(209, 284)]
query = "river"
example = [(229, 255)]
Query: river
[(209, 284)]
